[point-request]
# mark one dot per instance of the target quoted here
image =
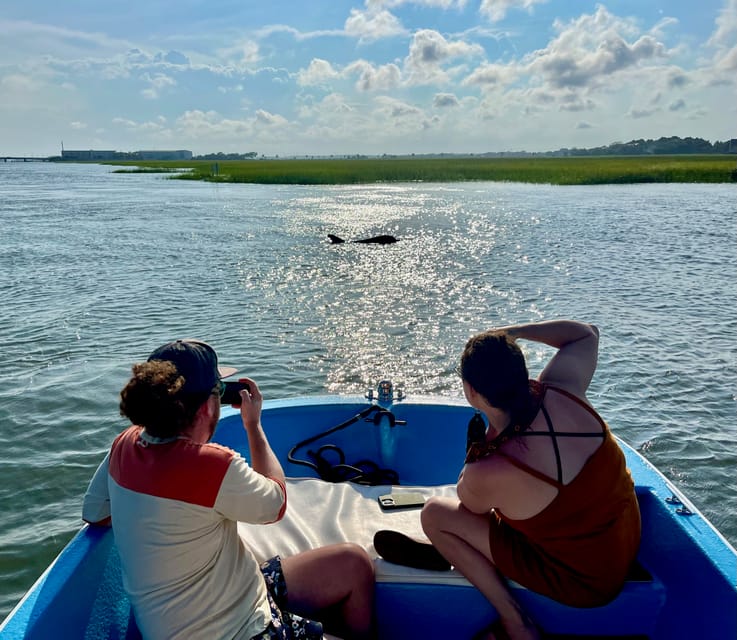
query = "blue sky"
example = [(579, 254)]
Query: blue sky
[(379, 76)]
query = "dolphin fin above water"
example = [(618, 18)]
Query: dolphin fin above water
[(382, 239)]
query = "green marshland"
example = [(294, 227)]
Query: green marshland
[(542, 170)]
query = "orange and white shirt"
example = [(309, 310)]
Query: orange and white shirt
[(175, 505)]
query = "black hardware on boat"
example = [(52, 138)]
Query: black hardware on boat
[(385, 413), (682, 509), (385, 393), (364, 472)]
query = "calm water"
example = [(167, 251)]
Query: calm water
[(97, 269)]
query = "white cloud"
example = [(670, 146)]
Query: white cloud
[(299, 36), (157, 83), (429, 50), (573, 102), (725, 31), (676, 78), (394, 109), (125, 122), (318, 72), (373, 25), (332, 105), (392, 117), (437, 4), (445, 100), (137, 57), (591, 49), (238, 88), (496, 10), (385, 75), (18, 83), (24, 39), (241, 54), (728, 61), (663, 26), (174, 58), (270, 119), (491, 75), (372, 78), (724, 41), (642, 113), (196, 125)]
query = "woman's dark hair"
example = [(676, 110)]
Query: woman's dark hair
[(153, 399), (495, 367)]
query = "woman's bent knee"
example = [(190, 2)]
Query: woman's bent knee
[(436, 511)]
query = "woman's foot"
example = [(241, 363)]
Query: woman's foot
[(498, 631), (524, 631)]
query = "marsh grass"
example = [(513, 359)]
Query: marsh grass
[(562, 171), (150, 170)]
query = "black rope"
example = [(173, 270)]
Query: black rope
[(364, 472)]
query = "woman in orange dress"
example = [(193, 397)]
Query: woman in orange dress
[(545, 499)]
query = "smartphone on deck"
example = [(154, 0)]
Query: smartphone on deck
[(401, 500), (232, 394)]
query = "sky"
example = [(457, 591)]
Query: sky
[(335, 77)]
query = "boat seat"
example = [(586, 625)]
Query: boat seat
[(321, 513)]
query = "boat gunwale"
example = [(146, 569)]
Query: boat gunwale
[(51, 587)]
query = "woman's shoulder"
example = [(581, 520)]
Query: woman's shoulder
[(483, 483)]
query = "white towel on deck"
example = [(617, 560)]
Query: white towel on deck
[(321, 513)]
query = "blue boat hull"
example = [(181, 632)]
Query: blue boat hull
[(689, 589)]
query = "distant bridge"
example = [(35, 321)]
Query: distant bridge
[(22, 159)]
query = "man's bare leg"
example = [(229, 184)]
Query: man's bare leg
[(333, 584)]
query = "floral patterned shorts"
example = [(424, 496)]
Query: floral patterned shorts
[(284, 625)]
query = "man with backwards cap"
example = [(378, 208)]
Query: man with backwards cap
[(174, 500)]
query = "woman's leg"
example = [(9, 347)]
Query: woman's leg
[(462, 537), (333, 584)]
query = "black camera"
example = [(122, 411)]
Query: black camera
[(232, 393)]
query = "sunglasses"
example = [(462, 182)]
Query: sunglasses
[(219, 388)]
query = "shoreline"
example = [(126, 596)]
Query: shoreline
[(578, 170)]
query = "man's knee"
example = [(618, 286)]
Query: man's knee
[(355, 561)]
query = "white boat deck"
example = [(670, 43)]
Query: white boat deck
[(320, 513)]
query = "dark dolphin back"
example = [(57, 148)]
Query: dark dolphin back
[(378, 240)]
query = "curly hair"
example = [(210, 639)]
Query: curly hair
[(153, 399), (494, 365)]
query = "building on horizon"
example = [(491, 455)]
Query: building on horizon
[(98, 154)]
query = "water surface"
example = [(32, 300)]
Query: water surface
[(97, 269)]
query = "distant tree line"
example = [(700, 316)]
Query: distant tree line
[(227, 156), (662, 146)]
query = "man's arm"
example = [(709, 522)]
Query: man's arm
[(96, 505), (263, 458)]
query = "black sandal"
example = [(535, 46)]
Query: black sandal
[(398, 548)]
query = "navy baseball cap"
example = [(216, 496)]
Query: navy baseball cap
[(196, 362)]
